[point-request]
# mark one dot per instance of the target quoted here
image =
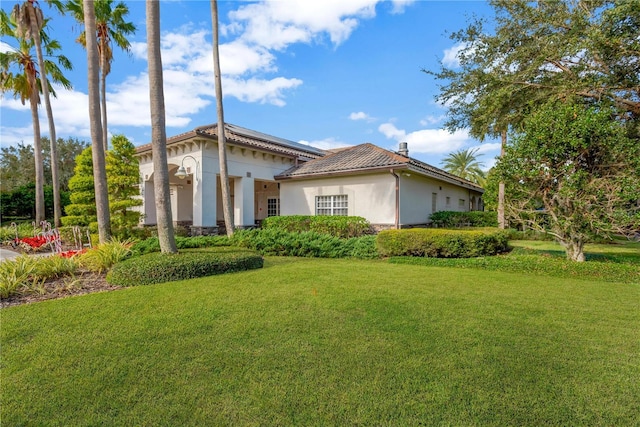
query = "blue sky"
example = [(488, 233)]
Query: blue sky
[(328, 73)]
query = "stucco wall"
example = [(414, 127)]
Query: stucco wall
[(369, 196), (373, 197), (200, 201), (416, 198)]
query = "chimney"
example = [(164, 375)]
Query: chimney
[(403, 151)]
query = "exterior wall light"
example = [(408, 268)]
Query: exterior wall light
[(182, 172)]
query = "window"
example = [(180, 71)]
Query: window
[(448, 201), (332, 205), (434, 202), (273, 206), (461, 203)]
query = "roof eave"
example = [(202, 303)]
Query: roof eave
[(361, 171)]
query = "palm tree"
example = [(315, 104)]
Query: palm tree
[(110, 26), (222, 144), (99, 163), (158, 131), (26, 26), (465, 164)]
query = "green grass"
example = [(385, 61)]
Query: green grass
[(329, 342), (616, 251), (608, 263)]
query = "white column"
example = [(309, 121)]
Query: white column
[(244, 215), (149, 204), (204, 193)]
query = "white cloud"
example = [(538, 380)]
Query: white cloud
[(451, 56), (432, 120), (428, 141), (277, 24), (488, 147), (360, 115), (14, 104), (391, 132), (326, 144), (399, 6), (4, 47), (16, 135), (260, 90)]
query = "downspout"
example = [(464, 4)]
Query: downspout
[(397, 199)]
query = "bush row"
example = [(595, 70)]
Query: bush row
[(187, 264), (276, 242), (438, 243), (460, 219), (153, 244), (338, 226), (305, 244)]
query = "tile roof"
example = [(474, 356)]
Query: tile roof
[(366, 158), (358, 158), (246, 137)]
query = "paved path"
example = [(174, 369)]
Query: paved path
[(6, 254)]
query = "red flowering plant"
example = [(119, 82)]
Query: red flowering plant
[(32, 244), (72, 253)]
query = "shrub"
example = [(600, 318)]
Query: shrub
[(105, 255), (304, 244), (338, 226), (25, 274), (458, 219), (441, 243), (187, 264), (15, 274), (153, 245)]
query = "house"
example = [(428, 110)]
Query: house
[(274, 176), (391, 190)]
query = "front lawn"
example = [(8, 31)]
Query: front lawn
[(329, 342)]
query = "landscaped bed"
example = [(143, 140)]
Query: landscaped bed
[(329, 342)]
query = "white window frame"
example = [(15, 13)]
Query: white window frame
[(334, 205), (271, 209)]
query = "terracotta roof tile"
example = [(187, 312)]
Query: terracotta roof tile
[(361, 157), (246, 137), (368, 157)]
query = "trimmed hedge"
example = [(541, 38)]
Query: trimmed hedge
[(438, 243), (338, 226), (458, 219), (153, 244), (305, 244), (187, 264)]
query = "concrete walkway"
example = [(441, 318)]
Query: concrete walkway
[(6, 254)]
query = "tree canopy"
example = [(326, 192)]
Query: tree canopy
[(541, 51), (17, 163), (573, 173)]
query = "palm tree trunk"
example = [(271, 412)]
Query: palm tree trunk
[(57, 209), (502, 223), (158, 132), (37, 143), (97, 146), (103, 96), (37, 151), (222, 144)]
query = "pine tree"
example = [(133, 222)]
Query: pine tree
[(123, 180), (82, 210)]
